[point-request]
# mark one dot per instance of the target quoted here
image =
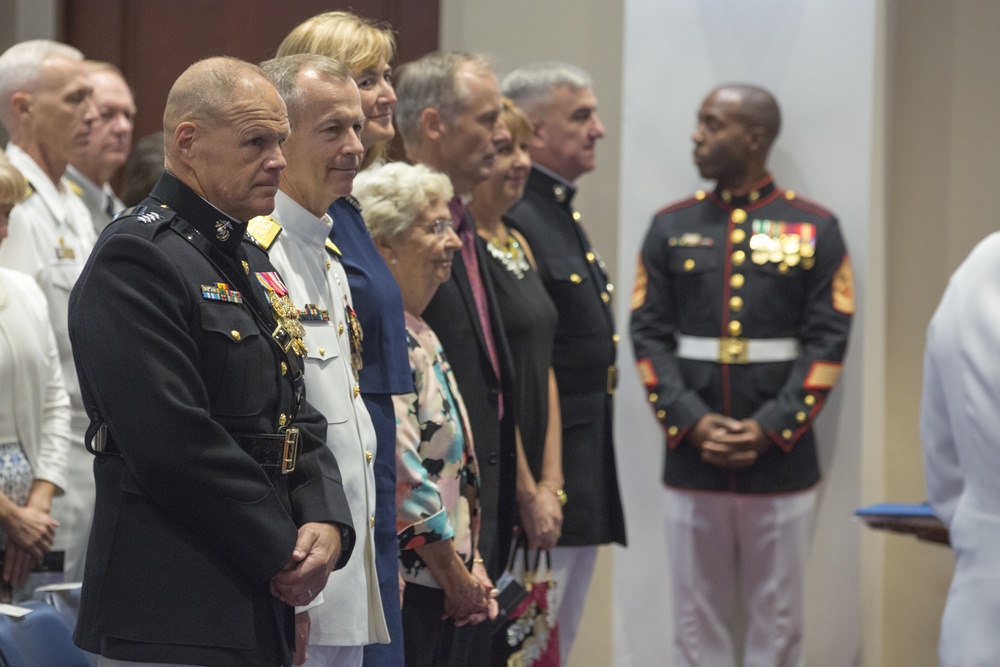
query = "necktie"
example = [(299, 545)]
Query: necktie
[(463, 227)]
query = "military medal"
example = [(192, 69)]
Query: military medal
[(221, 292), (355, 335), (787, 244), (64, 252), (313, 313), (284, 310)]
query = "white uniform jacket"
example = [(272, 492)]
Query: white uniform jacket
[(41, 406), (101, 201), (351, 612), (960, 432)]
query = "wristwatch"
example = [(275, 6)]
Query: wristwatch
[(560, 494)]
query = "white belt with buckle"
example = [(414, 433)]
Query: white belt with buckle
[(731, 350)]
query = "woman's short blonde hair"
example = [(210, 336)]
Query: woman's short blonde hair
[(516, 121), (395, 194), (359, 43), (13, 187)]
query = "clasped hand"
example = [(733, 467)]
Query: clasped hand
[(729, 443), (316, 552)]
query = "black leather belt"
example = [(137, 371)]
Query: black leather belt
[(272, 451), (269, 450)]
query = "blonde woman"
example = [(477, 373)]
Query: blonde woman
[(368, 49)]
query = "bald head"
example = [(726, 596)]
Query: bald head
[(224, 125), (756, 107)]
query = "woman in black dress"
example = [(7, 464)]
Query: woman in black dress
[(529, 319)]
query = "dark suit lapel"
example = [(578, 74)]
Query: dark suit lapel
[(460, 274)]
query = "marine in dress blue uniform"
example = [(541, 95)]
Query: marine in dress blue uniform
[(740, 318)]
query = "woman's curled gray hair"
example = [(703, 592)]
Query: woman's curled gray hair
[(393, 195)]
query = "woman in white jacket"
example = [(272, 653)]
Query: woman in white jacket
[(34, 411)]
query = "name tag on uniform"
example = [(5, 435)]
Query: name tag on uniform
[(63, 251)]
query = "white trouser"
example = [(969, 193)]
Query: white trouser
[(760, 542), (572, 568), (334, 656), (75, 509)]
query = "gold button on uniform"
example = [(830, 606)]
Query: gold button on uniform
[(736, 280), (284, 368), (357, 391), (661, 414), (738, 216), (340, 329), (809, 400), (368, 456), (699, 195), (754, 196), (371, 521), (576, 216), (235, 334), (688, 264), (246, 267), (575, 278), (739, 257), (801, 417), (322, 351), (737, 236), (654, 397), (672, 431), (736, 304), (605, 297), (282, 419), (789, 195), (615, 338), (735, 328), (787, 434), (591, 257)]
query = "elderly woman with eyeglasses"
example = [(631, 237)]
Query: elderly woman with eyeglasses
[(437, 516)]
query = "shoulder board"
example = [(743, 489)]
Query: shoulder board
[(30, 188), (805, 204), (684, 203), (77, 190), (262, 230), (353, 202), (332, 247), (146, 214)]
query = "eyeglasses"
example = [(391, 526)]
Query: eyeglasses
[(440, 225)]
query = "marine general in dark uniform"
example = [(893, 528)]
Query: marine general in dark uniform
[(218, 503), (740, 318)]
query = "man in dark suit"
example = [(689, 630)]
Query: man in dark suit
[(208, 528), (559, 100), (448, 116)]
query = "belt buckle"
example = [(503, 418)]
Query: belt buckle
[(734, 351), (612, 379), (282, 338), (290, 454)]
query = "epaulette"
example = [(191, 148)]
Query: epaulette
[(146, 214), (806, 204), (353, 202), (77, 190), (262, 230), (29, 187), (684, 203), (332, 247)]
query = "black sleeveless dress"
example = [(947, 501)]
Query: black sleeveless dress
[(529, 320)]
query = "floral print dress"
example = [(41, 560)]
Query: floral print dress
[(437, 479)]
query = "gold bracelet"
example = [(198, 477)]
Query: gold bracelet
[(560, 494)]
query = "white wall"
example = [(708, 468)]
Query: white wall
[(818, 57)]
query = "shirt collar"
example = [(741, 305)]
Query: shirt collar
[(220, 228), (299, 222), (92, 192), (52, 194)]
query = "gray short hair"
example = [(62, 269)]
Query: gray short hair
[(393, 195), (431, 82), (283, 73), (21, 69), (531, 87)]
